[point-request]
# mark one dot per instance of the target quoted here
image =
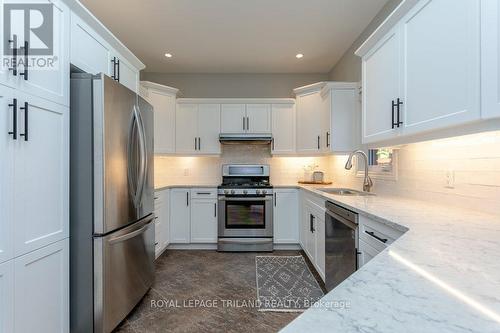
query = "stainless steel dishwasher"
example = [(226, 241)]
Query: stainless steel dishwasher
[(341, 244)]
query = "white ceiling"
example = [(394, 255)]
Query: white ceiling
[(236, 36)]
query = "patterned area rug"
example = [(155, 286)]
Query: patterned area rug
[(285, 283)]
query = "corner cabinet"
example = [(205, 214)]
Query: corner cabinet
[(311, 117), (283, 129), (163, 100), (423, 73)]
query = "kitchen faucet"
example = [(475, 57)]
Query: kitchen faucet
[(367, 183)]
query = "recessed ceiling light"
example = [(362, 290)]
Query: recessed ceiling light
[(300, 55), (168, 55)]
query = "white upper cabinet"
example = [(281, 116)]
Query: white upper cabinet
[(341, 102), (41, 176), (197, 128), (7, 145), (441, 61), (381, 87), (490, 59), (233, 118), (89, 51), (186, 128), (310, 118), (423, 73), (208, 128), (258, 118), (49, 79), (283, 129), (162, 98)]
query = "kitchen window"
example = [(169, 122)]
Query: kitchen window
[(382, 164)]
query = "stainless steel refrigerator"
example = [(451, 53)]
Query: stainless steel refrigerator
[(111, 202)]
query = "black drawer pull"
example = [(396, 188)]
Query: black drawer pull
[(25, 108), (371, 233), (13, 41), (26, 55)]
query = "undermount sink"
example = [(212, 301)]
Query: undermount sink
[(344, 191)]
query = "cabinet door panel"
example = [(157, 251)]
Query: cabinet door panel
[(441, 62), (259, 118), (283, 128), (381, 86), (309, 123), (164, 110), (53, 83), (42, 290), (232, 117), (490, 59), (186, 123), (204, 221), (286, 216), (88, 51), (41, 204), (7, 297), (180, 216), (7, 144), (128, 75), (209, 128), (320, 245)]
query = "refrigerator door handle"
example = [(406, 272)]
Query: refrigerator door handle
[(132, 234), (143, 155)]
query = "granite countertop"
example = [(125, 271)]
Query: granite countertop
[(442, 275)]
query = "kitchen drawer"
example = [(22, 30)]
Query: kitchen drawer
[(377, 234), (204, 193)]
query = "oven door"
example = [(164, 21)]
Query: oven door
[(245, 216)]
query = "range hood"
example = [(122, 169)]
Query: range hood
[(245, 138)]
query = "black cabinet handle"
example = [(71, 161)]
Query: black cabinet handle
[(318, 142), (118, 66), (215, 209), (13, 41), (371, 233), (311, 223), (26, 54), (187, 198), (195, 143), (14, 118), (328, 139), (393, 106), (274, 199), (25, 108), (272, 143), (248, 123), (398, 105), (244, 123), (114, 76), (199, 143)]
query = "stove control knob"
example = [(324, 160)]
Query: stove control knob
[(257, 191), (245, 192), (233, 192), (226, 191), (264, 191)]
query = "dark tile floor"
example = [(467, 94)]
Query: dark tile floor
[(184, 277)]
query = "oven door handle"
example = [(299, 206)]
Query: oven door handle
[(245, 199)]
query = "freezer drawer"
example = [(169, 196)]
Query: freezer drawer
[(123, 272)]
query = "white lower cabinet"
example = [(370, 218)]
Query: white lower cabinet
[(204, 221), (41, 290), (313, 231), (7, 297), (162, 219), (286, 216), (180, 215)]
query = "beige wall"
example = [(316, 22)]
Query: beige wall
[(234, 85), (348, 68)]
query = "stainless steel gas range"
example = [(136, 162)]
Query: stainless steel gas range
[(245, 208)]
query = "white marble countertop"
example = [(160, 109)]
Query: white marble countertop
[(442, 275), (160, 187)]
